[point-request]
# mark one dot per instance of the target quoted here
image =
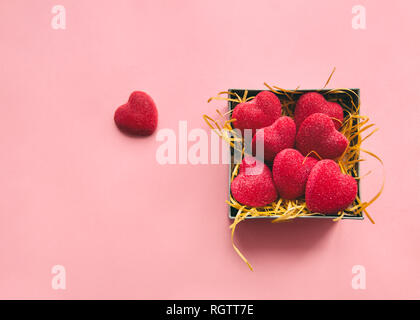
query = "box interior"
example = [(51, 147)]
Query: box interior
[(345, 98)]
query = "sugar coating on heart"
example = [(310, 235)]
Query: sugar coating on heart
[(138, 116), (318, 133), (258, 113), (275, 138), (328, 190), (254, 185), (314, 102), (290, 173)]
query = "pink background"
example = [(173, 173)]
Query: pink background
[(75, 191)]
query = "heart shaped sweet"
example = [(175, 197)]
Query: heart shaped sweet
[(258, 113), (317, 133), (254, 185), (314, 102), (290, 173), (328, 190), (138, 116), (280, 135)]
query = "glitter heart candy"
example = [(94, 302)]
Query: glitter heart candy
[(138, 116), (253, 186), (290, 173), (280, 135), (317, 133), (328, 190), (258, 113)]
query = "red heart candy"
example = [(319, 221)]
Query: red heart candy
[(328, 190), (314, 102), (254, 185), (258, 113), (138, 116), (317, 133), (290, 173), (280, 135)]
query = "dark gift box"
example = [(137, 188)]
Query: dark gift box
[(346, 97)]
